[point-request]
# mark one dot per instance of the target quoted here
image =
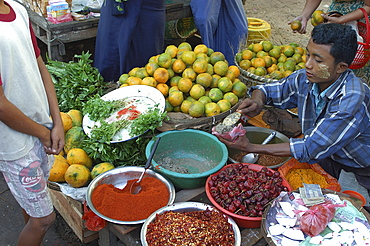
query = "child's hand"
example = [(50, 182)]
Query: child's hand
[(57, 140), (303, 21)]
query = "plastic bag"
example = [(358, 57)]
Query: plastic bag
[(315, 220), (93, 222), (231, 135)]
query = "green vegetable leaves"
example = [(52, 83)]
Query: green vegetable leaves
[(75, 82)]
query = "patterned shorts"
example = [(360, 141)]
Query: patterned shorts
[(26, 179)]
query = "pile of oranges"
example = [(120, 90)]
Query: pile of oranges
[(271, 61), (198, 81)]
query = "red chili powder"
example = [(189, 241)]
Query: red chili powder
[(120, 204)]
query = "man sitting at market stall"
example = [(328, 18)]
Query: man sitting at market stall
[(333, 107)]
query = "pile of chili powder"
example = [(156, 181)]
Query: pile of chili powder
[(206, 227)]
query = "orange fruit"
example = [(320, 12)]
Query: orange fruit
[(231, 97), (239, 89), (197, 91), (260, 71), (201, 48), (235, 70), (133, 71), (184, 45), (168, 107), (238, 57), (247, 54), (221, 68), (215, 79), (224, 105), (211, 109), (296, 25), (185, 105), (210, 69), (184, 85), (268, 61), (173, 88), (299, 50), (161, 75), (164, 60), (251, 70), (163, 88), (134, 81), (176, 98), (200, 66), (230, 75), (123, 78), (282, 58), (151, 67), (261, 54), (275, 52), (76, 116), (149, 81), (171, 50), (317, 16), (210, 51), (225, 84), (101, 168), (288, 65), (191, 99), (79, 156), (245, 64), (216, 56), (215, 94), (67, 121), (203, 56), (257, 47), (189, 73), (276, 75), (267, 45), (259, 62), (171, 73), (141, 73), (287, 73), (272, 68), (174, 80), (204, 99), (196, 109), (288, 51), (297, 58), (188, 57), (204, 79)]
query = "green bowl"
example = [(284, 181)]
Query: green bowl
[(187, 157)]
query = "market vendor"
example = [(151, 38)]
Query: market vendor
[(333, 107), (129, 33), (222, 25)]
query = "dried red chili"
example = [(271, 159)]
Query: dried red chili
[(208, 228), (121, 205)]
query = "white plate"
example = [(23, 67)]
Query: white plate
[(141, 96)]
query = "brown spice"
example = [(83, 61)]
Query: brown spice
[(263, 160), (121, 205), (208, 228)]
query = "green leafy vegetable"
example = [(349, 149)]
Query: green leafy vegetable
[(76, 82)]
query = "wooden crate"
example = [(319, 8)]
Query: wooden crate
[(72, 211)]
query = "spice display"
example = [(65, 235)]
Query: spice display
[(244, 191), (263, 160), (297, 176), (207, 227), (121, 205)]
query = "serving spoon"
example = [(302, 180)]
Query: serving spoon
[(253, 157), (135, 186)]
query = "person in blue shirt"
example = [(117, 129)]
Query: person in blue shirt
[(333, 107)]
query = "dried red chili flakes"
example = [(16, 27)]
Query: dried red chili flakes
[(208, 228)]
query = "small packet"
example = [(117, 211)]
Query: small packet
[(228, 129)]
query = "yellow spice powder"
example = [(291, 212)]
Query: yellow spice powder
[(296, 178)]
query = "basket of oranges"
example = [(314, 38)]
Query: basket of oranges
[(264, 62)]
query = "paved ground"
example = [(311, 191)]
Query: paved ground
[(11, 223)]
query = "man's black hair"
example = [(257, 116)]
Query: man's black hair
[(342, 38)]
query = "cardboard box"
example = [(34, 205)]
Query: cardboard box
[(39, 6)]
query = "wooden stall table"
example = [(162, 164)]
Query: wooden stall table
[(112, 233), (55, 36)]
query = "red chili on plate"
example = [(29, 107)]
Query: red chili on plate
[(131, 111)]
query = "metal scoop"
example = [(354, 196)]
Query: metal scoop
[(135, 186), (253, 157)]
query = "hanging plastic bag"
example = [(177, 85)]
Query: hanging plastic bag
[(92, 221)]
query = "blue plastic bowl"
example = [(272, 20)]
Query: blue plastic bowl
[(198, 152)]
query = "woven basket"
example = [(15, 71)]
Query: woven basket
[(181, 121), (251, 79), (181, 28), (342, 196)]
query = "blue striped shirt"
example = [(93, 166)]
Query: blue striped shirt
[(339, 131)]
